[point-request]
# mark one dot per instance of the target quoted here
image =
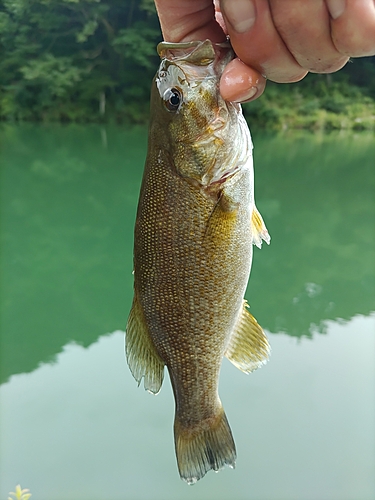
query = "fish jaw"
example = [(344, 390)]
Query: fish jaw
[(199, 54)]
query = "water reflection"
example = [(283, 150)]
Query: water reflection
[(69, 197), (304, 426), (317, 194)]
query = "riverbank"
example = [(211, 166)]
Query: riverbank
[(316, 104), (319, 102), (93, 62), (311, 105)]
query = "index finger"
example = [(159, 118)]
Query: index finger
[(187, 20)]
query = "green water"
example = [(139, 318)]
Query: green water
[(74, 425)]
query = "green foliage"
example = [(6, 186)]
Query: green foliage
[(136, 44), (55, 74), (93, 60), (88, 30), (80, 60), (19, 494), (319, 102)]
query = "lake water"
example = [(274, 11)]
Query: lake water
[(74, 425)]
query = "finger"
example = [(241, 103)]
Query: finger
[(240, 83), (187, 20), (353, 26), (306, 31), (257, 42), (219, 16)]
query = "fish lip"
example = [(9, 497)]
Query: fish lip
[(163, 47), (198, 53)]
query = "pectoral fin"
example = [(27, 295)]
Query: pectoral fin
[(248, 346), (258, 229), (143, 360)]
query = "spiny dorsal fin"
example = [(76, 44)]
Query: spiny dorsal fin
[(258, 229), (143, 360), (248, 347)]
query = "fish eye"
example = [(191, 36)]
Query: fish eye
[(172, 99)]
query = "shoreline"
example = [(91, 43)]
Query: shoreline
[(281, 107)]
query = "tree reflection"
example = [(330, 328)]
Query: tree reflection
[(68, 212), (317, 197)]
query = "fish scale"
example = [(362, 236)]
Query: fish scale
[(195, 226)]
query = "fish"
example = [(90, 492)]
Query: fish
[(195, 228)]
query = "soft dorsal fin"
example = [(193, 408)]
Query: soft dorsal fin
[(143, 360), (258, 229), (248, 346)]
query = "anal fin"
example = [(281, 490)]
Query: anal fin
[(258, 229), (143, 360), (248, 347)]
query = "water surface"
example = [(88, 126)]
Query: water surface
[(73, 423)]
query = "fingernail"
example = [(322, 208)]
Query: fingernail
[(240, 14), (246, 96), (336, 7)]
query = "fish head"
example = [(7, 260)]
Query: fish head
[(200, 129)]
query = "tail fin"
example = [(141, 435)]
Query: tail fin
[(208, 445)]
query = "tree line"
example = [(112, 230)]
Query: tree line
[(93, 60), (76, 59)]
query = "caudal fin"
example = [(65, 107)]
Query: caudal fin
[(208, 445)]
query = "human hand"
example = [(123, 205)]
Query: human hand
[(281, 40)]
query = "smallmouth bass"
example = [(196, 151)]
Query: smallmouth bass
[(195, 227)]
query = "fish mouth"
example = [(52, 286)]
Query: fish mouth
[(186, 45), (200, 54), (199, 61), (196, 52)]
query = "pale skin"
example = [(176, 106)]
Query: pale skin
[(279, 40)]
